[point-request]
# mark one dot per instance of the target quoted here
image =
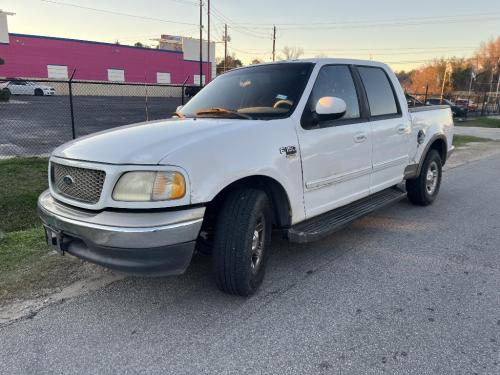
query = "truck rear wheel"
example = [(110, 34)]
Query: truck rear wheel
[(242, 241), (424, 189)]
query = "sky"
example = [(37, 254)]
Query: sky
[(404, 34)]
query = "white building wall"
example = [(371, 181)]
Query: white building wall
[(191, 49), (4, 29)]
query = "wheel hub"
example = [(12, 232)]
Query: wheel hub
[(257, 245), (432, 178)]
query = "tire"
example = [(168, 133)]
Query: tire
[(423, 190), (38, 92), (5, 95), (242, 242)]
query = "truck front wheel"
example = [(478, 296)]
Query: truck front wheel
[(424, 189), (242, 241)]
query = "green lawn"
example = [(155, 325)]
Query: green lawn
[(21, 182), (481, 122), (27, 267), (462, 140)]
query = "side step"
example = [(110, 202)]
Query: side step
[(325, 224)]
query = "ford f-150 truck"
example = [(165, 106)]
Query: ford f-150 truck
[(304, 147)]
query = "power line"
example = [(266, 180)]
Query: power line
[(118, 13), (389, 22)]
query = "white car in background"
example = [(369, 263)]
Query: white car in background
[(23, 87)]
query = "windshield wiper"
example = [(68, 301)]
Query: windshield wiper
[(223, 112), (178, 114)]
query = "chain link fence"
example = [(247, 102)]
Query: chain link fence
[(475, 104), (41, 115)]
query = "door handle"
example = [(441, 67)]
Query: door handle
[(360, 137), (402, 129)]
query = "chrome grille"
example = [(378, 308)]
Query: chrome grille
[(84, 185)]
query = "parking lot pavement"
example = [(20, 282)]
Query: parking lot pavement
[(408, 290), (491, 133), (35, 125)]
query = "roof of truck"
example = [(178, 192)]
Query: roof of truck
[(325, 60)]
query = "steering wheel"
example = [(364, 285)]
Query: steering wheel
[(281, 102)]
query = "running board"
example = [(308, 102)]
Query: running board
[(325, 224)]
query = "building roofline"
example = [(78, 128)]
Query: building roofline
[(91, 42)]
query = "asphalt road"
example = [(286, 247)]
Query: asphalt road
[(35, 125), (407, 290)]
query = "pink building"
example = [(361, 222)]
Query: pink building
[(33, 56)]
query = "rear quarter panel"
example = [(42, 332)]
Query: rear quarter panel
[(433, 121)]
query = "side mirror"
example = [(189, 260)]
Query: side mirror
[(330, 108)]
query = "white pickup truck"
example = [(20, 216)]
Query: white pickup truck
[(304, 147)]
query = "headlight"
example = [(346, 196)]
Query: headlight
[(149, 186)]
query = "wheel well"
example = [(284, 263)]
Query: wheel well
[(277, 195), (440, 146)]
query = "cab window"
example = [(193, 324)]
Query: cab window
[(332, 81)]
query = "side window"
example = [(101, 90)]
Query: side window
[(333, 80), (379, 91)]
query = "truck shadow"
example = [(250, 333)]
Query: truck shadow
[(289, 266)]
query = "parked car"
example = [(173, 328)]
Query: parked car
[(304, 147), (466, 103), (456, 110), (23, 87)]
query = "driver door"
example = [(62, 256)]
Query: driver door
[(336, 154)]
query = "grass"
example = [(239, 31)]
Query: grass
[(481, 122), (462, 140), (27, 267), (21, 182)]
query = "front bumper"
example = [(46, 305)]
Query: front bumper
[(153, 242)]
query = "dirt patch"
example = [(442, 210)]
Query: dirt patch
[(471, 152), (86, 278)]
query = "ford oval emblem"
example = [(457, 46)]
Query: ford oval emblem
[(68, 180)]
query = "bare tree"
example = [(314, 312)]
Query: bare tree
[(256, 61), (292, 53)]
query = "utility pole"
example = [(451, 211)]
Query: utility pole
[(448, 70), (274, 43), (201, 43), (209, 74), (498, 76), (225, 47)]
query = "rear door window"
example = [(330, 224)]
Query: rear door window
[(379, 91)]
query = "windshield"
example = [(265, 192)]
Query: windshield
[(258, 92)]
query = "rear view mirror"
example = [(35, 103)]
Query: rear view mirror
[(330, 108)]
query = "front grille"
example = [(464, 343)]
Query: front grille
[(84, 185)]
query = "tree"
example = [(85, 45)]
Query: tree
[(292, 53), (486, 62), (232, 62), (256, 61), (404, 78), (139, 44)]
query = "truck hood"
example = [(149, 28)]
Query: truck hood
[(145, 143)]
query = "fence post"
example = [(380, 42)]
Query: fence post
[(70, 82), (183, 87), (482, 108)]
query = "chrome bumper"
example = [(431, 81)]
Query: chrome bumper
[(154, 242)]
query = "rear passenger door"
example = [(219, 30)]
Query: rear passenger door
[(336, 154), (390, 129)]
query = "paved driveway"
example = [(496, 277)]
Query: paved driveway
[(491, 133), (407, 290), (35, 125)]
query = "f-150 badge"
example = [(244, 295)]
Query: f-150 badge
[(289, 151)]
